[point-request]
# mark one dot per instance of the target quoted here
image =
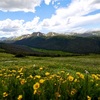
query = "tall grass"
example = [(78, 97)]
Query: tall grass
[(35, 83), (49, 78)]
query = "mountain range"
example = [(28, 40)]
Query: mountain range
[(14, 38), (85, 43)]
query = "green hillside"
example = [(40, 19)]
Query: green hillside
[(28, 51), (53, 46), (16, 49), (73, 44)]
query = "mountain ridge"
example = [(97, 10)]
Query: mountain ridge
[(49, 34), (72, 44), (76, 43)]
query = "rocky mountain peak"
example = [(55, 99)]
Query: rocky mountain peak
[(37, 34)]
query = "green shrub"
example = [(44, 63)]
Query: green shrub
[(20, 55)]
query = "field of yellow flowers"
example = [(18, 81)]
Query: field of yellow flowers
[(38, 84), (38, 78)]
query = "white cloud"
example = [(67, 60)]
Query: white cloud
[(54, 1), (47, 1), (19, 5), (30, 25), (74, 17), (22, 5), (10, 27), (95, 1)]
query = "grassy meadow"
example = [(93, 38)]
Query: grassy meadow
[(49, 78)]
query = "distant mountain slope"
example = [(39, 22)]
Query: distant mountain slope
[(27, 51), (17, 49), (72, 44), (16, 38), (75, 43), (88, 34), (49, 34)]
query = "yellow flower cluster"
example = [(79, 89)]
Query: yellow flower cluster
[(36, 87), (5, 94), (37, 76), (23, 81), (73, 91), (58, 95), (80, 75), (38, 82), (88, 98), (41, 81), (41, 68), (95, 77), (70, 78), (20, 70), (20, 97), (47, 73)]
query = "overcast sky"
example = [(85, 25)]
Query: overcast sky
[(18, 17)]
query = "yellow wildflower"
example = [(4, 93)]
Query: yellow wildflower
[(5, 73), (91, 80), (5, 94), (30, 76), (97, 84), (50, 77), (20, 70), (9, 75), (21, 73), (41, 68), (80, 75), (98, 75), (14, 71), (35, 91), (20, 97), (73, 91), (18, 76), (36, 86), (77, 73), (88, 98), (98, 98), (70, 78), (67, 74), (95, 77), (64, 81), (57, 94), (1, 74), (58, 72), (47, 73), (23, 81), (75, 80), (3, 69), (61, 79), (37, 76), (62, 71), (41, 80)]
